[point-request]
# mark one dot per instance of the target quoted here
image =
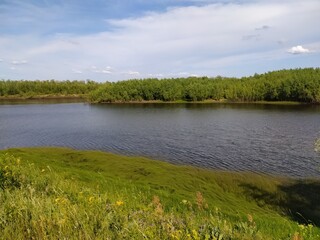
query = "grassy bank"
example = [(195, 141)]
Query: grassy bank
[(209, 101), (84, 97), (58, 193)]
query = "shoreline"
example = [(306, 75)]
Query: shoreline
[(42, 97), (208, 101), (222, 101), (167, 163)]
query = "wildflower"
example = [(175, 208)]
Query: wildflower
[(42, 170), (184, 201), (297, 236), (195, 235), (91, 199), (61, 200), (156, 200), (159, 209), (250, 220), (18, 161), (158, 206), (119, 203), (200, 200), (61, 221)]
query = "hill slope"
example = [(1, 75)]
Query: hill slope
[(64, 193)]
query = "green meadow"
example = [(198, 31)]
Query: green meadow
[(60, 193)]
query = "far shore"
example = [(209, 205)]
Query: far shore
[(39, 97), (84, 98), (210, 101)]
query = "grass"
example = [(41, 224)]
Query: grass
[(59, 193), (210, 101)]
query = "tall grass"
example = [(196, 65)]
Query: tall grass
[(62, 199)]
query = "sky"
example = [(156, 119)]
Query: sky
[(112, 40)]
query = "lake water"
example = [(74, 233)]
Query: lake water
[(271, 139)]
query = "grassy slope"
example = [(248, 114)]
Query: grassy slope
[(271, 201)]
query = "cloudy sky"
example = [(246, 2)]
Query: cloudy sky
[(116, 40)]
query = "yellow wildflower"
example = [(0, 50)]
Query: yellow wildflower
[(61, 221), (119, 203)]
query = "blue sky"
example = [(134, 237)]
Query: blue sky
[(115, 40)]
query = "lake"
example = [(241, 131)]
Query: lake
[(272, 139)]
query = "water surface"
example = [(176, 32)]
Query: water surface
[(273, 139)]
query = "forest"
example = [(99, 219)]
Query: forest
[(28, 89), (300, 85)]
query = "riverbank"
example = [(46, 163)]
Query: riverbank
[(43, 97), (84, 98), (103, 194), (223, 101)]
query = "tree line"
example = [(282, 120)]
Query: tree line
[(302, 85), (50, 87)]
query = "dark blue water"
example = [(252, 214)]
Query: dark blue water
[(261, 138)]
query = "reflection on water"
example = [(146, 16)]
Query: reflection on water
[(273, 139), (317, 145)]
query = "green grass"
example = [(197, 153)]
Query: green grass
[(57, 193)]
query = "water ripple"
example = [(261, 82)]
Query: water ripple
[(274, 140)]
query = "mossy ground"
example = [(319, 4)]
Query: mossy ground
[(57, 193)]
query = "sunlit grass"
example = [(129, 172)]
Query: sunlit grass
[(50, 193)]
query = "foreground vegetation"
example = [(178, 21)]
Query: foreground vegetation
[(295, 85), (58, 193), (300, 85)]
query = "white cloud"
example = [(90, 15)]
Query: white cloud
[(106, 70), (155, 75), (298, 50), (16, 62), (76, 71), (133, 73), (264, 27), (255, 37), (202, 39), (183, 73), (193, 75)]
